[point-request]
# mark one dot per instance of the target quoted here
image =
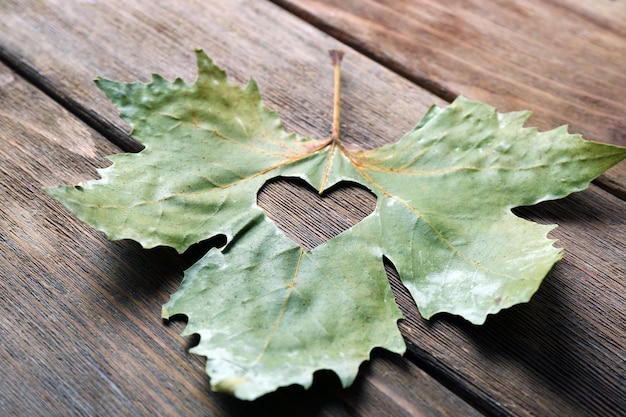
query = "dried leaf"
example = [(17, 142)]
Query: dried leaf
[(270, 313)]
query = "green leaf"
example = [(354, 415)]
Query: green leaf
[(270, 313)]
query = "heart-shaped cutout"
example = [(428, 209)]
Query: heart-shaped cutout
[(307, 217)]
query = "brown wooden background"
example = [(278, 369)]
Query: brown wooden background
[(80, 332)]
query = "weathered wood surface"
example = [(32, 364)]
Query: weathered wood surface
[(563, 59), (80, 313)]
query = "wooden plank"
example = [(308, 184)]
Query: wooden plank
[(563, 59), (519, 378), (48, 43), (79, 316)]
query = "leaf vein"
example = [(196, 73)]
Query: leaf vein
[(418, 214), (283, 309)]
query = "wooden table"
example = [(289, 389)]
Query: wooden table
[(80, 332)]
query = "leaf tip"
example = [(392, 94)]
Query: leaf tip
[(207, 68), (200, 53), (229, 386), (100, 82), (165, 315)]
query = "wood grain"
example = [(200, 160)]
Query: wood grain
[(79, 315), (562, 59), (560, 354), (130, 41)]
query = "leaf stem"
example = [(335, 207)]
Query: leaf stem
[(336, 56)]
